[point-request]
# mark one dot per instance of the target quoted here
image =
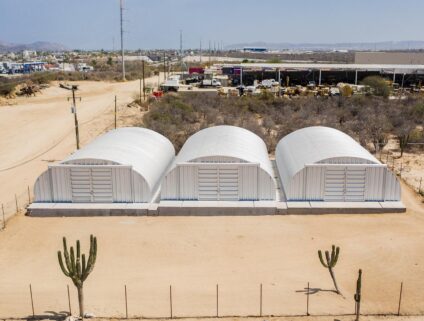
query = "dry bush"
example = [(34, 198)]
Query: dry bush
[(368, 119)]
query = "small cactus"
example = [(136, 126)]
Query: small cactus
[(77, 268), (357, 295), (330, 262)]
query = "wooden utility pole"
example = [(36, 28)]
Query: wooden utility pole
[(73, 88), (115, 111), (164, 66), (144, 86), (75, 116)]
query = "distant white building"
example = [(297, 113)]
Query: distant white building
[(28, 54)]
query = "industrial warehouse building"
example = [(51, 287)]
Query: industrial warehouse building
[(325, 164), (125, 165), (222, 163)]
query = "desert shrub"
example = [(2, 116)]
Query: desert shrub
[(371, 120), (379, 85), (7, 88)]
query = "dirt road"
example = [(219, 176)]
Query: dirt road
[(38, 130)]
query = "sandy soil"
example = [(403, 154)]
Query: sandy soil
[(410, 167), (38, 130), (239, 253)]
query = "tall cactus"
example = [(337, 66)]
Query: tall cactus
[(77, 268), (357, 295), (330, 262)]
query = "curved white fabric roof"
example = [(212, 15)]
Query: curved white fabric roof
[(316, 144), (148, 152), (226, 141)]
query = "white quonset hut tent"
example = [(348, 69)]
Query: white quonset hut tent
[(124, 165), (221, 163), (325, 164)]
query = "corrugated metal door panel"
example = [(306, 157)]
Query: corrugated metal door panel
[(296, 189), (228, 183), (122, 185), (170, 185), (101, 185), (187, 182), (61, 184), (266, 186), (314, 186), (248, 183), (81, 185), (392, 187), (374, 183), (355, 184), (335, 178), (141, 191), (42, 188), (207, 185)]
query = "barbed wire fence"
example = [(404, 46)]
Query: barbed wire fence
[(400, 167), (15, 206), (128, 303)]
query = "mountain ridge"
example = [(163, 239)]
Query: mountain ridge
[(37, 46)]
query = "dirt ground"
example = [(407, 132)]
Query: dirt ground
[(410, 166), (37, 130), (193, 254), (268, 318)]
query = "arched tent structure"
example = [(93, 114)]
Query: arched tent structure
[(124, 165), (325, 164), (221, 163)]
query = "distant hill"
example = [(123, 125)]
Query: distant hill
[(386, 45), (37, 46)]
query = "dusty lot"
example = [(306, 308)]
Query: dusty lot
[(37, 130), (195, 253)]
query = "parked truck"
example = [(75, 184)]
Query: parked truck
[(210, 83)]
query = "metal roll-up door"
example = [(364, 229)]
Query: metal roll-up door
[(228, 183), (345, 184), (355, 184), (101, 185), (218, 183), (91, 185), (81, 185), (207, 178)]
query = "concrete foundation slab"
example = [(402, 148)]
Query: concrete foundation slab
[(212, 208)]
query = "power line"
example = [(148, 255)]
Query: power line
[(121, 7)]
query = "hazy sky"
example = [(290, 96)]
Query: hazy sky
[(93, 24)]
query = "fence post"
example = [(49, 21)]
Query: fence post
[(4, 221), (307, 300), (419, 188), (32, 301), (69, 301), (16, 202), (29, 196), (400, 297), (170, 299), (260, 301), (126, 302), (217, 302)]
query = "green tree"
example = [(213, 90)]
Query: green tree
[(378, 85)]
